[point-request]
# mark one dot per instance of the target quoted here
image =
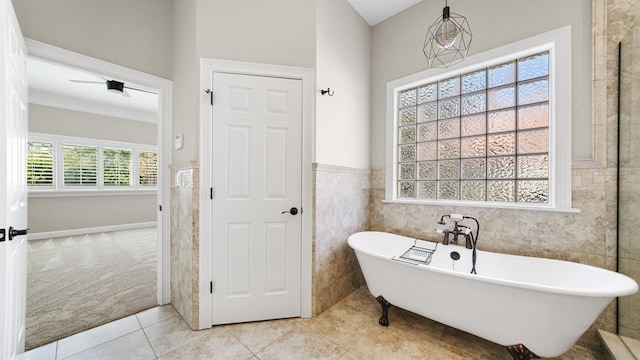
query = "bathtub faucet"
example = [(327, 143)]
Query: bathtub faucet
[(458, 230)]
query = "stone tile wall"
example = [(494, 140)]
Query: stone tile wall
[(184, 241), (619, 17), (341, 203)]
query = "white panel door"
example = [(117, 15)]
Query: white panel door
[(13, 185), (257, 177)]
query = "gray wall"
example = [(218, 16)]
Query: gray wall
[(397, 51), (135, 34), (80, 212), (343, 63), (280, 32), (51, 120)]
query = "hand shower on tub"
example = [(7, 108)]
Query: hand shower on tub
[(470, 240)]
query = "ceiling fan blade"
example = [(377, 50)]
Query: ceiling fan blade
[(86, 81), (125, 93), (138, 89)]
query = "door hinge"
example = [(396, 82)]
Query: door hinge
[(3, 234), (208, 91), (159, 207), (211, 193), (211, 287)]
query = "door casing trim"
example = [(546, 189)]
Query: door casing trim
[(207, 67), (50, 53)]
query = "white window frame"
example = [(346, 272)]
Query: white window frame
[(558, 44), (59, 189)]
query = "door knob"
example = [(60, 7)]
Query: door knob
[(13, 232), (292, 211)]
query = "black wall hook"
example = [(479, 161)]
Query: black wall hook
[(328, 91)]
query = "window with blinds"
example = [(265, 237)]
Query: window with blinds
[(80, 165), (148, 168), (59, 163), (40, 164), (116, 167)]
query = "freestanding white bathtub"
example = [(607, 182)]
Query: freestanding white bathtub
[(535, 307)]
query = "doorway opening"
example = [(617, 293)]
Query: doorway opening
[(121, 201)]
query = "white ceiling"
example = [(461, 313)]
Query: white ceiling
[(375, 11), (49, 85)]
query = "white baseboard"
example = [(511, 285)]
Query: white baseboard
[(93, 230)]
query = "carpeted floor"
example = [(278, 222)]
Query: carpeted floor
[(80, 282)]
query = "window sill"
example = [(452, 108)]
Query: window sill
[(482, 204), (72, 193)]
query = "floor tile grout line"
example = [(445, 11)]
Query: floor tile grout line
[(149, 342), (243, 344), (102, 343)]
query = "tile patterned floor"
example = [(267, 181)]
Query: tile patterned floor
[(349, 330)]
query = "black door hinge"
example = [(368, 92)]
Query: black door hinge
[(208, 91), (160, 207), (211, 287), (3, 234)]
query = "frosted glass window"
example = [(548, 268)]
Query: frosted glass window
[(407, 116), (474, 124), (427, 131), (449, 108), (533, 116), (407, 189), (449, 149), (427, 93), (473, 190), (427, 190), (408, 98), (428, 112), (501, 121), (407, 171), (407, 134), (474, 103), (448, 88), (427, 170), (448, 190), (428, 151), (501, 144), (533, 66), (478, 136), (474, 81), (503, 97), (474, 147), (502, 74), (448, 169), (449, 128), (533, 91)]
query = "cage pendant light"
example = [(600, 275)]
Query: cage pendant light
[(448, 39)]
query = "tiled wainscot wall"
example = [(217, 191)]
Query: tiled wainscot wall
[(184, 241), (341, 201)]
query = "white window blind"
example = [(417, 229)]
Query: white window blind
[(148, 168), (80, 165), (117, 166), (40, 164)]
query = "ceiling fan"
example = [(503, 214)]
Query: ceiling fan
[(114, 86)]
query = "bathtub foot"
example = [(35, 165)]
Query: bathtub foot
[(384, 319), (520, 352)]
